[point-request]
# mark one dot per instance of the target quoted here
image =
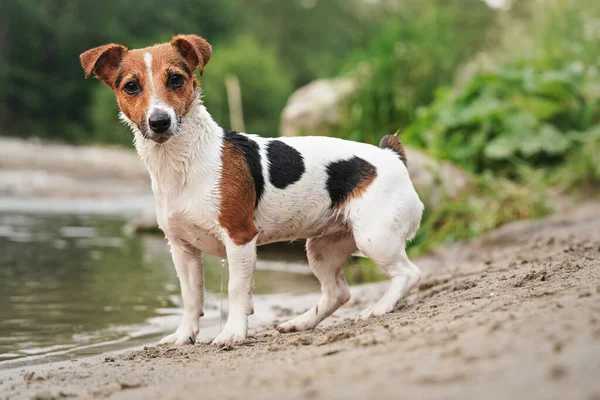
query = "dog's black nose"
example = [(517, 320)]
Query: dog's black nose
[(159, 121)]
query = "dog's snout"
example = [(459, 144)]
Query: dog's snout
[(159, 121)]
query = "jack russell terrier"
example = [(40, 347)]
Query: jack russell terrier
[(224, 192)]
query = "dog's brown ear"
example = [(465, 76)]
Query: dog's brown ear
[(103, 61), (195, 50)]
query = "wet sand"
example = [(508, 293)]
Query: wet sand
[(515, 314)]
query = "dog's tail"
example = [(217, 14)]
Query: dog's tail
[(392, 142)]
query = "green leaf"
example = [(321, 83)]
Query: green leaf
[(531, 145), (501, 148), (554, 86), (521, 124), (548, 140), (553, 141), (542, 108)]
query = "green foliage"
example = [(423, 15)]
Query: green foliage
[(520, 113), (565, 30), (103, 113), (581, 170), (362, 270), (265, 86), (418, 49), (312, 38), (490, 203)]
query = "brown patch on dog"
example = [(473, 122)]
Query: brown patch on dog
[(393, 143), (133, 68), (103, 61), (195, 50), (238, 196)]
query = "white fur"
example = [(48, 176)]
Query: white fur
[(156, 103), (185, 173)]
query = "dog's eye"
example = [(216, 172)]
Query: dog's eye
[(132, 87), (174, 81)]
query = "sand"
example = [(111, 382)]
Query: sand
[(515, 314)]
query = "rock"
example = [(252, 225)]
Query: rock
[(314, 109)]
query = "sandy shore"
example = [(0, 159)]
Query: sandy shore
[(515, 314), (31, 168)]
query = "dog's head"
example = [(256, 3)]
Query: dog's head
[(154, 86)]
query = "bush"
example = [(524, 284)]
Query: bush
[(103, 112), (523, 113), (535, 117), (418, 49), (582, 168), (490, 203)]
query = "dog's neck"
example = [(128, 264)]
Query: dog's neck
[(199, 139)]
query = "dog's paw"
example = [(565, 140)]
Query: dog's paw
[(229, 338), (298, 324), (373, 312), (287, 327), (181, 337)]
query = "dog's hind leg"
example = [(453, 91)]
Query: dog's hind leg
[(403, 276), (326, 256), (384, 243)]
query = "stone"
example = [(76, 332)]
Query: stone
[(314, 109)]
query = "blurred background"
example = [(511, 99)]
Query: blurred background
[(496, 100)]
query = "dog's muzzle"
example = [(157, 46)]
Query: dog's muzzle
[(161, 126), (159, 121)]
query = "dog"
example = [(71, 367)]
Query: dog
[(225, 193)]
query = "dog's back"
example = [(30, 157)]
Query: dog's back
[(314, 186)]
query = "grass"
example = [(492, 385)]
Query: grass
[(489, 203)]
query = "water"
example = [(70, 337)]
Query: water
[(75, 284)]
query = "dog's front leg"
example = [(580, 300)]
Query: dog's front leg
[(190, 270), (242, 261)]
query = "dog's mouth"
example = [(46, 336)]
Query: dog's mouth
[(160, 139)]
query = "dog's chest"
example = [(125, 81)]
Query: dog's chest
[(190, 214), (191, 225)]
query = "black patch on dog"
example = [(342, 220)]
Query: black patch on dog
[(251, 153), (344, 176), (286, 164)]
